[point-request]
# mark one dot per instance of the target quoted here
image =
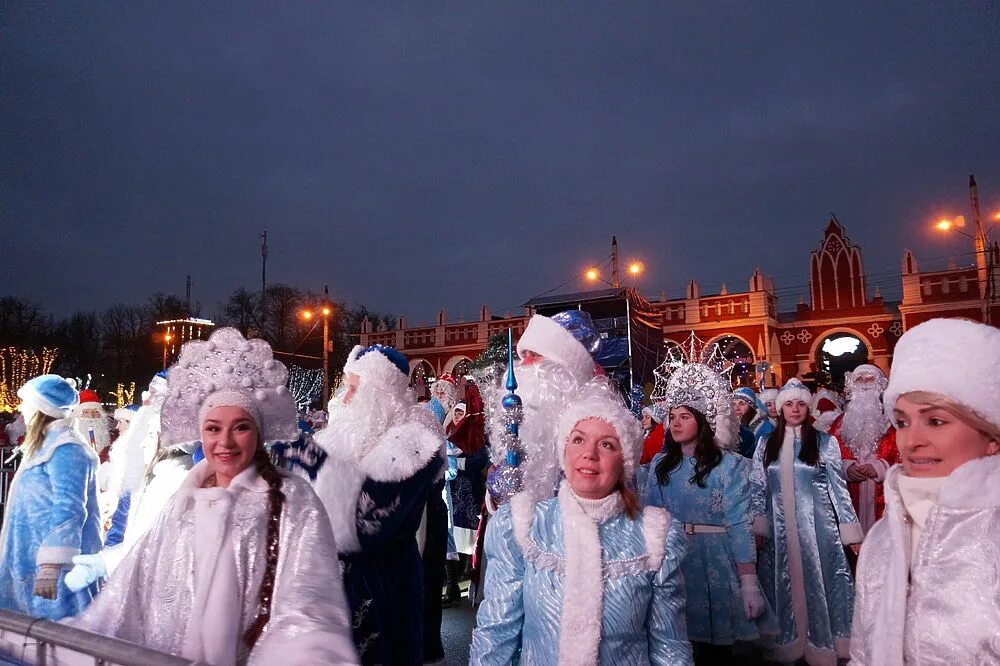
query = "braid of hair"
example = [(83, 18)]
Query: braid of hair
[(276, 501)]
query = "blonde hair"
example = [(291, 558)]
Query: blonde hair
[(35, 434), (967, 416)]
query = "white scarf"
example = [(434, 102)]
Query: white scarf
[(583, 585), (919, 496), (214, 629)]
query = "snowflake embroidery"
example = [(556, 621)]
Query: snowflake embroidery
[(805, 336), (787, 337), (366, 507), (875, 330), (717, 502), (896, 328)]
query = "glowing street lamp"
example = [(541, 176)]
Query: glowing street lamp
[(593, 275), (635, 268), (955, 225), (324, 311), (166, 343)]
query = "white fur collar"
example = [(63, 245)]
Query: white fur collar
[(400, 452), (583, 585), (58, 433), (403, 450), (974, 485), (248, 479)]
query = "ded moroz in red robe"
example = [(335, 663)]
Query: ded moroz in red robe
[(868, 496)]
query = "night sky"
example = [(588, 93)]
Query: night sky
[(415, 156)]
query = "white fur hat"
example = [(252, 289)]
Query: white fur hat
[(793, 389), (956, 358), (380, 366), (769, 395), (597, 399), (546, 337)]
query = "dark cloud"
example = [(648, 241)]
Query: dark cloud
[(453, 154)]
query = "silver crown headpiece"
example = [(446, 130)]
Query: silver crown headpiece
[(227, 369)]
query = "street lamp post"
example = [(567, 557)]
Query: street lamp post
[(325, 310), (984, 252), (166, 341)]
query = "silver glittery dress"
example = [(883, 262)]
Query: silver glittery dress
[(161, 596), (944, 607)]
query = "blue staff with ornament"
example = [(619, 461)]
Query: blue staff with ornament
[(506, 479)]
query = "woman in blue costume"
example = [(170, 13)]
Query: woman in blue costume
[(52, 513), (708, 490), (803, 518), (585, 577)]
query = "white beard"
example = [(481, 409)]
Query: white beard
[(353, 429), (545, 389), (864, 424), (102, 435)]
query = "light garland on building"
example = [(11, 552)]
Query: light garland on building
[(17, 366)]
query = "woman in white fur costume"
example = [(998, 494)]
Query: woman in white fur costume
[(803, 518), (929, 572), (240, 567), (586, 577)]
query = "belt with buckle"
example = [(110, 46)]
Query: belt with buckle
[(695, 528)]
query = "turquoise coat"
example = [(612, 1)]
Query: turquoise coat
[(639, 618), (51, 515), (714, 596), (803, 568)]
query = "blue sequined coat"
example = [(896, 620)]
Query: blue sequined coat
[(806, 515), (635, 615), (714, 596), (51, 515)]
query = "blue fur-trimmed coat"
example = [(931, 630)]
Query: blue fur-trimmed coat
[(624, 604), (375, 506), (51, 515)]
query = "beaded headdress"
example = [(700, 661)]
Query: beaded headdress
[(696, 375), (227, 370)]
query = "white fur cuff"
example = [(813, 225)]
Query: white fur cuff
[(762, 527), (851, 533), (56, 555)]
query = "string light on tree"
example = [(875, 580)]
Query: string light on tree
[(123, 396), (17, 366), (304, 385)]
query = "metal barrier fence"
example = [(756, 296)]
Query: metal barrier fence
[(9, 461), (29, 640)]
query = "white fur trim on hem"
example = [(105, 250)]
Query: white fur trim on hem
[(762, 527), (55, 555), (851, 533), (796, 574), (583, 586), (655, 523)]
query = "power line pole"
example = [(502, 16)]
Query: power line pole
[(614, 262), (984, 254)]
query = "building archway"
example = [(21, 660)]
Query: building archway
[(837, 353), (737, 351), (458, 365), (420, 373)]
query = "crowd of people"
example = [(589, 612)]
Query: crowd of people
[(716, 527)]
